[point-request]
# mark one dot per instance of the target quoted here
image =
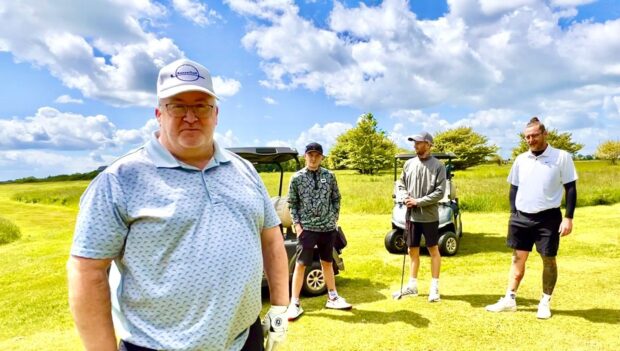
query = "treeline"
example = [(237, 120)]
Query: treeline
[(56, 178)]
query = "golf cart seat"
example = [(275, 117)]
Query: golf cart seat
[(281, 205), (450, 193)]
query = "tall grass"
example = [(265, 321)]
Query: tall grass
[(66, 196), (480, 189), (9, 231), (484, 188)]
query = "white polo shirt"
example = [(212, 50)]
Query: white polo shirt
[(187, 243), (541, 179)]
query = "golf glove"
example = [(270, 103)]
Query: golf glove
[(275, 325)]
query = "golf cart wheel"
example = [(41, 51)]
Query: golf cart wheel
[(448, 244), (395, 242), (314, 281)]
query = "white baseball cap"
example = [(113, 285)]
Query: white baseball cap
[(181, 76)]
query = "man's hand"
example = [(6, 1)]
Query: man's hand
[(566, 227), (298, 229), (411, 202), (275, 326)]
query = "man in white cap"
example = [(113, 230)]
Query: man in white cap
[(422, 185), (190, 227)]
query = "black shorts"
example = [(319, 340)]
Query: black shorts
[(430, 230), (254, 342), (324, 241), (542, 229)]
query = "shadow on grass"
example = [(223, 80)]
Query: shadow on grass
[(378, 317), (479, 300), (473, 243), (357, 290), (594, 315), (360, 290)]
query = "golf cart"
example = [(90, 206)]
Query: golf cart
[(314, 282), (450, 227)]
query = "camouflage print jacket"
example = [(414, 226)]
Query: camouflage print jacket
[(314, 199)]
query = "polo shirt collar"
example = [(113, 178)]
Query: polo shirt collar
[(545, 153), (162, 158)]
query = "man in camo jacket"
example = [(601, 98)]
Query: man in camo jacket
[(314, 200)]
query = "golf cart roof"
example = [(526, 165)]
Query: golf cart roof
[(265, 155), (438, 155)]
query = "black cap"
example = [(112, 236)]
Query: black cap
[(314, 147)]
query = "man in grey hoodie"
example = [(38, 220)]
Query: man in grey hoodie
[(421, 186)]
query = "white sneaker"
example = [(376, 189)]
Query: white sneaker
[(294, 311), (407, 292), (544, 312), (339, 303), (503, 305), (433, 295)]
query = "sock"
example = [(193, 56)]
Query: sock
[(413, 283), (295, 300), (435, 283), (332, 294), (511, 294), (545, 298)]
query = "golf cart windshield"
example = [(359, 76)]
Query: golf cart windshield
[(438, 155), (268, 155)]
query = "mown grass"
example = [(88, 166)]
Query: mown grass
[(33, 296), (9, 231)]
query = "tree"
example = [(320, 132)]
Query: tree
[(469, 147), (609, 150), (364, 148), (554, 138)]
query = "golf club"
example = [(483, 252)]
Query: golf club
[(398, 295)]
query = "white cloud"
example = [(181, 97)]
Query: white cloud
[(66, 99), (514, 52), (195, 11), (50, 128), (227, 139), (40, 163), (226, 87), (325, 135), (571, 3), (270, 100)]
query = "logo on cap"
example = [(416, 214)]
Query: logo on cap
[(187, 73)]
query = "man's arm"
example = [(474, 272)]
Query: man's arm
[(293, 205), (512, 197), (566, 227), (89, 301), (437, 194), (335, 198), (276, 266)]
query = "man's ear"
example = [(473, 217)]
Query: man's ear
[(217, 113), (158, 114)]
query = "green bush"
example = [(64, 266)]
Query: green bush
[(9, 231)]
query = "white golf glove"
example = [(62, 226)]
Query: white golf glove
[(275, 325)]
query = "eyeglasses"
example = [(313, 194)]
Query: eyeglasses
[(198, 110), (532, 136)]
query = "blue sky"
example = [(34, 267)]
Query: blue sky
[(79, 77)]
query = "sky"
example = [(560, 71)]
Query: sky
[(79, 76)]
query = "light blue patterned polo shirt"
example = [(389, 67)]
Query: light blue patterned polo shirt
[(187, 244)]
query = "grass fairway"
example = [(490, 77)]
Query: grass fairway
[(34, 313)]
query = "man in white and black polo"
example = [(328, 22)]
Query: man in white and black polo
[(537, 178)]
